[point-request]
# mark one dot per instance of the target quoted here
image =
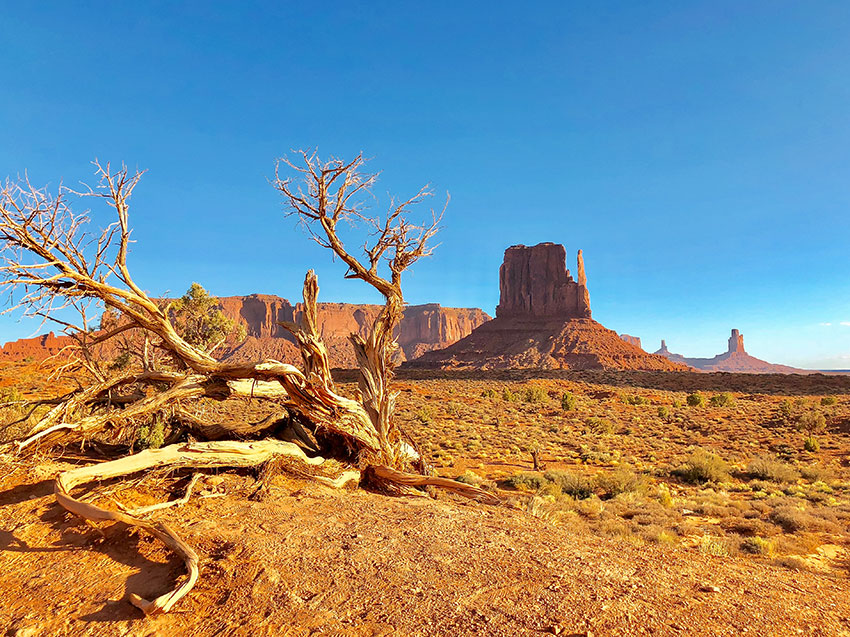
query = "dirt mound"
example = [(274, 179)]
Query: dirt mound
[(573, 344)]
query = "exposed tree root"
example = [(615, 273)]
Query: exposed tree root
[(384, 474), (196, 455), (165, 505)]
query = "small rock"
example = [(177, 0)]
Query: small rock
[(708, 588)]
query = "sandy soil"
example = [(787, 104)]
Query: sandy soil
[(306, 560)]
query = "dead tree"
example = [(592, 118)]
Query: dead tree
[(49, 261)]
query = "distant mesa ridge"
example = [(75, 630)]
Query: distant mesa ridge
[(423, 328), (734, 359), (543, 321)]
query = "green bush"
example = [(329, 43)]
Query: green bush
[(677, 403), (120, 362), (470, 477), (696, 399), (635, 399), (527, 481), (568, 401), (508, 396), (535, 395), (813, 422), (764, 468), (572, 484), (703, 466), (152, 435), (663, 412), (424, 416), (826, 401), (758, 546), (622, 480), (811, 444), (786, 409), (599, 426), (722, 400), (489, 393)]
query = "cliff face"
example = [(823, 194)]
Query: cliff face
[(542, 321), (37, 348), (423, 328), (628, 338), (734, 359), (534, 282)]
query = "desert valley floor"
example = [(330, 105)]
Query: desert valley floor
[(665, 503)]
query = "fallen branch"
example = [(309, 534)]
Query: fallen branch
[(165, 505), (196, 455), (393, 477)]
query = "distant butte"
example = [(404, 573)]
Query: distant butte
[(543, 321), (734, 359)]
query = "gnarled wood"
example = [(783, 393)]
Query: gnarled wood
[(201, 455)]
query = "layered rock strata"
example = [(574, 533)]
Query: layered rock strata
[(423, 328)]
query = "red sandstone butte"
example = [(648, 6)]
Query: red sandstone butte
[(543, 321), (634, 340), (734, 359)]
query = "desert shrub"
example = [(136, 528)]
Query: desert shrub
[(598, 454), (453, 409), (658, 535), (722, 400), (826, 401), (424, 416), (526, 481), (663, 412), (198, 319), (489, 393), (10, 396), (572, 484), (711, 545), (696, 399), (791, 519), (635, 399), (568, 401), (470, 477), (621, 480), (535, 395), (786, 409), (152, 435), (599, 426), (677, 403), (810, 443), (792, 563), (703, 466), (765, 468), (120, 362), (813, 422), (758, 546), (508, 396), (816, 473)]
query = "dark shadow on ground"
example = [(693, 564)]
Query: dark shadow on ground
[(777, 384)]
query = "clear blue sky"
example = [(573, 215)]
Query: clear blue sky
[(697, 152)]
